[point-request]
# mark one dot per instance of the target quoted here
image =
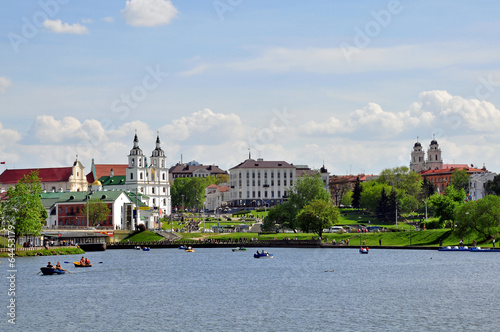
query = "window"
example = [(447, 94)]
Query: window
[(265, 194), (272, 175), (253, 194), (278, 174), (131, 176), (258, 175), (272, 182), (239, 183), (153, 191), (239, 196), (248, 194), (258, 194), (248, 183), (258, 182), (253, 175), (279, 182), (272, 193), (279, 193), (239, 175), (248, 175), (133, 162), (284, 182), (253, 183), (140, 175), (291, 182), (265, 175), (284, 175)]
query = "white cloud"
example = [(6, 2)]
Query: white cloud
[(206, 125), (4, 84), (8, 136), (87, 20), (58, 27), (333, 61), (148, 13), (108, 19)]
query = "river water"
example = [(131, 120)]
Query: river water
[(221, 290)]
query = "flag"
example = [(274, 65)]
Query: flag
[(2, 162)]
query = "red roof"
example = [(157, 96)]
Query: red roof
[(59, 174), (469, 170), (105, 169)]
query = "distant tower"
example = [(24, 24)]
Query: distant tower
[(417, 162), (434, 160), (136, 171)]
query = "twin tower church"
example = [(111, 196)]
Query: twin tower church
[(418, 161), (147, 178)]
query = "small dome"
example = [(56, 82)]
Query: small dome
[(434, 142), (417, 145), (97, 183)]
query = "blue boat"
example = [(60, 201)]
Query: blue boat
[(456, 248), (479, 249), (263, 255), (182, 248), (364, 250), (51, 271), (145, 248)]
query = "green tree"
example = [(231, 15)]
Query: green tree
[(460, 179), (401, 178), (347, 198), (483, 216), (427, 189), (317, 216), (382, 206), (279, 215), (371, 193), (492, 187), (23, 212), (98, 211), (356, 195)]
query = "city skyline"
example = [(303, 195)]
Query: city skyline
[(348, 84)]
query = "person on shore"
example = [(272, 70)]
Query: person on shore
[(493, 243), (380, 242), (461, 243)]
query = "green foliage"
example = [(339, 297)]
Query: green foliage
[(482, 216), (460, 179), (401, 178), (347, 198), (280, 215), (371, 193), (97, 211), (356, 195), (492, 187), (190, 192), (427, 189), (318, 215), (307, 189), (23, 212)]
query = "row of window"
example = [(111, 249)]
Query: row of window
[(81, 222), (278, 174), (265, 183), (259, 194), (155, 162), (141, 177)]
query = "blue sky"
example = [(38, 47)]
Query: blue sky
[(349, 83)]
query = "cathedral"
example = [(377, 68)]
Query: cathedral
[(418, 161)]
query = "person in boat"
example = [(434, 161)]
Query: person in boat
[(58, 266), (87, 262), (82, 261), (50, 265), (258, 253)]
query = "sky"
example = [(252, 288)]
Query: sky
[(348, 84)]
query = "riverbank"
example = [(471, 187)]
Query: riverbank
[(52, 251)]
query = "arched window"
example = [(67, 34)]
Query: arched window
[(133, 162)]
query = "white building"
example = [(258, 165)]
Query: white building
[(477, 184), (258, 182), (216, 196), (147, 179)]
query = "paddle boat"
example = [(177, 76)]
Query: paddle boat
[(263, 255), (78, 264), (455, 248), (239, 249), (364, 250), (182, 248), (137, 247), (51, 271), (189, 249), (146, 248)]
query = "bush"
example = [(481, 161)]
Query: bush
[(434, 224), (141, 228)]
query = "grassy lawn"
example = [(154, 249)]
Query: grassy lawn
[(143, 236)]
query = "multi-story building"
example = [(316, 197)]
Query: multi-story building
[(477, 183), (258, 182), (441, 178), (194, 170), (216, 196), (54, 179)]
